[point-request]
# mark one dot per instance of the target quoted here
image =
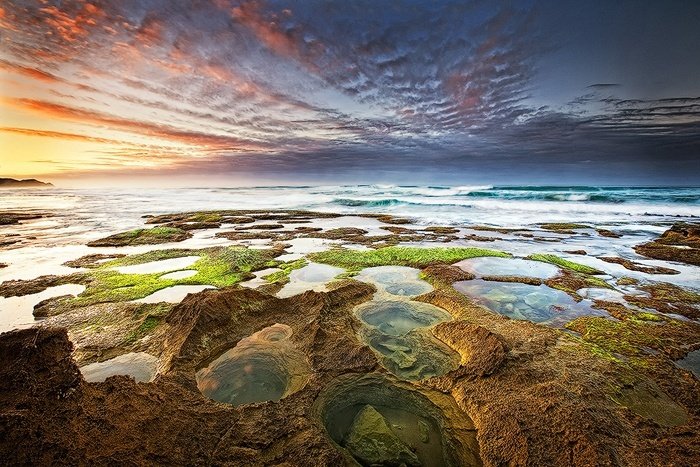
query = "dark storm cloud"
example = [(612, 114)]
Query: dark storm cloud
[(325, 85), (604, 86)]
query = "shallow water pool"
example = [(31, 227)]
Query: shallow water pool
[(140, 365), (17, 312), (163, 265), (397, 318), (691, 362), (395, 280), (492, 266), (173, 294), (536, 303), (175, 275), (264, 366), (313, 276)]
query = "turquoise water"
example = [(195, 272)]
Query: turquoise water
[(89, 212)]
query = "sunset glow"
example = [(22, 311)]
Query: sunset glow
[(241, 87)]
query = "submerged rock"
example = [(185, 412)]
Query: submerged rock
[(373, 443)]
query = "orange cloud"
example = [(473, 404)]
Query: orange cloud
[(205, 141), (30, 72), (58, 135), (267, 31), (4, 23), (71, 28), (150, 33)]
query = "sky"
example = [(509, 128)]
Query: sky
[(443, 92)]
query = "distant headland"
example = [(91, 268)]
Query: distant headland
[(26, 183)]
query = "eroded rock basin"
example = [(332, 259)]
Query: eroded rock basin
[(414, 356), (262, 367), (397, 318), (377, 421), (539, 304), (399, 333)]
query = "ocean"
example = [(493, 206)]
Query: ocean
[(81, 212)]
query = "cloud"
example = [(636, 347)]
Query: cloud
[(604, 86), (320, 84), (29, 72), (58, 135), (207, 141)]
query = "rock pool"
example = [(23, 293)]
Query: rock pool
[(175, 275), (691, 362), (539, 304), (173, 294), (396, 318), (18, 311), (140, 365), (264, 366), (163, 265), (396, 280), (313, 276), (491, 266), (398, 332), (382, 423)]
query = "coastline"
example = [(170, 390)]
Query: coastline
[(588, 342)]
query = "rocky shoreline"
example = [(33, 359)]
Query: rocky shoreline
[(344, 387)]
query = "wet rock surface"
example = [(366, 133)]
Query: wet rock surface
[(10, 218), (632, 266), (680, 243), (509, 371), (151, 236), (339, 378)]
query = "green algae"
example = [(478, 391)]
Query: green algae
[(617, 337), (282, 276), (559, 226), (143, 237), (354, 260), (634, 334), (146, 327), (564, 263), (647, 316), (205, 217), (625, 280), (154, 315), (671, 293), (148, 257), (570, 281), (218, 266)]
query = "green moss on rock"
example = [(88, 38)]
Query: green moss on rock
[(564, 263), (354, 260), (560, 226), (282, 276), (371, 441), (218, 266), (150, 236)]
